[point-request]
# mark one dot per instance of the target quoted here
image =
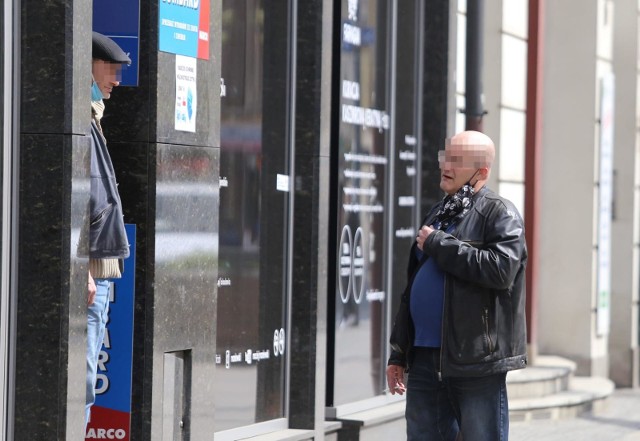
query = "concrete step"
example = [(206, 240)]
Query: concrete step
[(550, 375), (584, 394)]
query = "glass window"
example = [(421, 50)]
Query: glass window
[(254, 210), (361, 245)]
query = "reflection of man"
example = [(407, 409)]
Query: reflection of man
[(466, 304), (108, 240)]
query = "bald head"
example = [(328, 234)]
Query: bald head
[(467, 158), (475, 146)]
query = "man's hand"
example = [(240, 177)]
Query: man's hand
[(395, 379), (91, 292), (423, 233)]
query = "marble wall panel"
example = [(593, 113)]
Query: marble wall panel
[(185, 282), (55, 66), (53, 200), (309, 289), (311, 226), (131, 162), (51, 327)]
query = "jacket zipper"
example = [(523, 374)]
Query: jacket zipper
[(486, 328)]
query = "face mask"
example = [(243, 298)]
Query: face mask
[(96, 93)]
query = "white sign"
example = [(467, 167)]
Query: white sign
[(603, 296), (186, 94), (282, 182)]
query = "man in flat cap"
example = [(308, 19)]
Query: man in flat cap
[(108, 243)]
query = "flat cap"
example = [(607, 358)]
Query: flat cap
[(106, 49)]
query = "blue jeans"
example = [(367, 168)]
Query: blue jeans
[(97, 316), (437, 410)]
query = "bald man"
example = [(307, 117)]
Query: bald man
[(466, 303)]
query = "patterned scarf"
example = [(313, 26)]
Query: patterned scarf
[(454, 207)]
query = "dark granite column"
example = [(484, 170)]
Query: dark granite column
[(311, 214), (53, 198), (169, 187), (434, 97)]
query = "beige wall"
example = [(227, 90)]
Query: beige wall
[(569, 186), (623, 340)]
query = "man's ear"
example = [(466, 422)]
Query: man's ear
[(483, 173)]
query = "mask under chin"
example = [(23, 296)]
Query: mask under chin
[(96, 93)]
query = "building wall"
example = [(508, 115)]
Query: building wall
[(573, 64), (623, 341)]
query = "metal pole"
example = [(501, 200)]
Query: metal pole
[(474, 57)]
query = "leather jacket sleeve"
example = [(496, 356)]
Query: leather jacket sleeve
[(398, 359), (490, 256)]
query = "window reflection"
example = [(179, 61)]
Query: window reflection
[(361, 273), (361, 248), (251, 327)]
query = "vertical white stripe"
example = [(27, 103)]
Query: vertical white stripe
[(8, 253)]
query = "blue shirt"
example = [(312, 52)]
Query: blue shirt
[(426, 303)]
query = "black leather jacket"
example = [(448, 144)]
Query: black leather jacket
[(484, 260)]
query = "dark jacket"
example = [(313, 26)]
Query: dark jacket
[(107, 235), (484, 260)]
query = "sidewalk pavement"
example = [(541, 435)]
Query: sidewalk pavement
[(618, 421)]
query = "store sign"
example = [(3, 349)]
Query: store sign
[(184, 27), (120, 21), (111, 413)]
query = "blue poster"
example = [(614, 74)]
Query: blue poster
[(111, 413), (120, 20)]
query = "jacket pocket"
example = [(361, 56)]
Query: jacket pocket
[(97, 227), (99, 218), (471, 329)]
